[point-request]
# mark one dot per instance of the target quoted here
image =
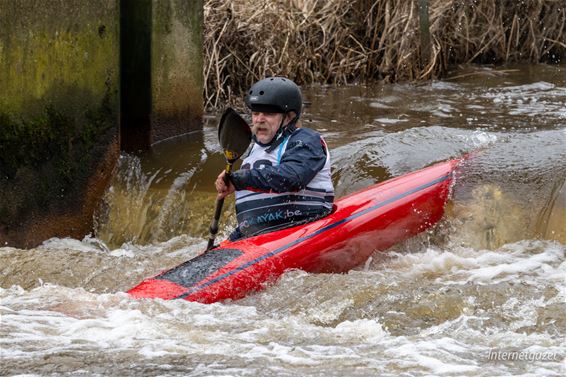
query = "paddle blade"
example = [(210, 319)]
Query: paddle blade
[(234, 134)]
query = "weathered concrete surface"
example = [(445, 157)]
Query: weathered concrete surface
[(176, 72), (59, 67), (60, 63)]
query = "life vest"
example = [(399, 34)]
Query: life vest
[(260, 212)]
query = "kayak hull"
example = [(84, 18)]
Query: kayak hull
[(372, 219)]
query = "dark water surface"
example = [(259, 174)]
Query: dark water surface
[(489, 280)]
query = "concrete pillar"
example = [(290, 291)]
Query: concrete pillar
[(177, 66), (161, 70)]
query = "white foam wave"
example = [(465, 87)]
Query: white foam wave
[(180, 246), (538, 258), (52, 319), (88, 244)]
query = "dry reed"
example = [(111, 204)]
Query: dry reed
[(343, 41)]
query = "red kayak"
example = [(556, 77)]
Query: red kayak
[(372, 219)]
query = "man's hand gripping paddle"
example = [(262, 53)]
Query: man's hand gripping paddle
[(234, 135)]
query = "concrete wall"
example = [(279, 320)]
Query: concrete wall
[(59, 71), (79, 78)]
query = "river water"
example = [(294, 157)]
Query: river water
[(481, 294)]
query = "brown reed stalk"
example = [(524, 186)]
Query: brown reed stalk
[(345, 41)]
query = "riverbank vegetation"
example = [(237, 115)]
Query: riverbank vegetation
[(345, 41)]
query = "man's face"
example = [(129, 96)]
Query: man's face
[(265, 125)]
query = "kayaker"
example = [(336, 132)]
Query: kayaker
[(285, 179)]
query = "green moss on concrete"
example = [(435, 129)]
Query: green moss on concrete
[(45, 45), (46, 160)]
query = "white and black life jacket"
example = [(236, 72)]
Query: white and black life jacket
[(284, 186)]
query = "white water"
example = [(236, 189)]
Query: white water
[(485, 287), (438, 312)]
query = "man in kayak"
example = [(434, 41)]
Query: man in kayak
[(285, 178)]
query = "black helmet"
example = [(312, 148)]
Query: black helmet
[(275, 95)]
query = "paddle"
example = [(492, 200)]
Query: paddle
[(234, 135)]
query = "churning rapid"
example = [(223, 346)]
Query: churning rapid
[(482, 294)]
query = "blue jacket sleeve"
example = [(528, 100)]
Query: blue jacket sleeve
[(304, 157)]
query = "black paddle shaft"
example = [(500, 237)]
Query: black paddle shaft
[(234, 135)]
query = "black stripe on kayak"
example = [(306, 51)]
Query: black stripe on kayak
[(196, 269), (192, 290)]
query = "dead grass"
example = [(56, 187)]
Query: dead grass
[(343, 41)]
